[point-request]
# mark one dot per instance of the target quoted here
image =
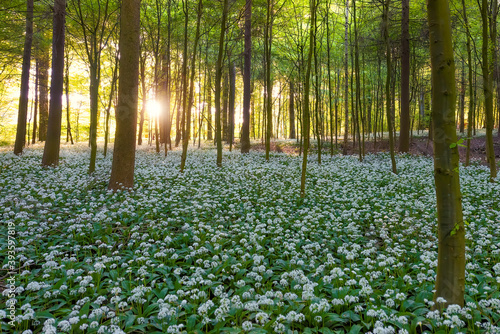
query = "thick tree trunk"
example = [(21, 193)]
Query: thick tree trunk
[(218, 77), (247, 73), (51, 149), (122, 170), (404, 128), (25, 79), (450, 279)]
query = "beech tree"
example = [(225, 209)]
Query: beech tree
[(245, 131), (25, 77), (450, 279), (51, 149), (122, 169), (306, 121)]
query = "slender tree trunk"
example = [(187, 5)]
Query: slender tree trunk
[(68, 122), (122, 170), (51, 149), (329, 69), (95, 78), (189, 106), (305, 116), (232, 97), (209, 108), (142, 65), (25, 80), (346, 78), (110, 102), (450, 278), (33, 140), (404, 130), (292, 110), (43, 82), (388, 84), (462, 99), (269, 83), (488, 94), (218, 77), (358, 81), (247, 73)]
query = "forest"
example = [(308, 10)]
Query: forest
[(260, 166)]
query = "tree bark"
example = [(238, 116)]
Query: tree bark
[(25, 80), (218, 77), (122, 169), (385, 18), (305, 116), (404, 128), (232, 98), (51, 149), (247, 73), (346, 78), (185, 138), (292, 110), (488, 94), (269, 83), (450, 279)]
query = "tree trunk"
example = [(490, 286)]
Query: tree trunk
[(329, 69), (122, 170), (142, 65), (385, 19), (35, 125), (66, 83), (488, 94), (51, 149), (189, 106), (218, 77), (346, 78), (247, 73), (450, 278), (358, 81), (269, 83), (292, 110), (462, 99), (404, 128), (94, 112), (25, 80), (305, 116), (232, 97), (209, 108)]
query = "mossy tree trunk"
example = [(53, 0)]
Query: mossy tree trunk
[(450, 279)]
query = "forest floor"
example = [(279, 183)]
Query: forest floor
[(419, 146), (235, 249)]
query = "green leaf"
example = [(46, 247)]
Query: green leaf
[(355, 329)]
